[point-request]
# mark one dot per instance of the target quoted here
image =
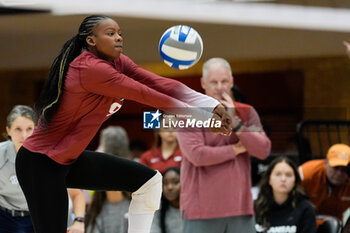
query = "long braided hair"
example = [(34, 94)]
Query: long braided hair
[(50, 97), (265, 199)]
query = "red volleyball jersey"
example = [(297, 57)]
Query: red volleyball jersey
[(154, 159), (94, 89)]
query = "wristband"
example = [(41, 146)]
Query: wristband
[(79, 219), (240, 124)]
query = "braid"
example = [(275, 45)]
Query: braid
[(50, 97)]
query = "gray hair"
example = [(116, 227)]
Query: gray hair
[(17, 111), (21, 110), (215, 60), (115, 141)]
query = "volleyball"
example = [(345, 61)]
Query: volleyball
[(180, 47)]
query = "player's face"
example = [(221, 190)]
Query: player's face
[(171, 186), (217, 81), (336, 175), (20, 129), (106, 41), (282, 178)]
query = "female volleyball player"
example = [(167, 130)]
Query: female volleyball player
[(87, 84)]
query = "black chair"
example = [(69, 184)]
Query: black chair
[(330, 224), (315, 137)]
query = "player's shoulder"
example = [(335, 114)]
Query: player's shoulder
[(88, 60), (123, 57), (124, 60), (92, 66)]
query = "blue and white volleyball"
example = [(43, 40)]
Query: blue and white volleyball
[(180, 47)]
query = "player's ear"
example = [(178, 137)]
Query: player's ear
[(203, 83), (8, 131), (90, 40), (232, 82)]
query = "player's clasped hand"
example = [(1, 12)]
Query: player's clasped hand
[(222, 115)]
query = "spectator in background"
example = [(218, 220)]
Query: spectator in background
[(326, 181), (282, 202), (107, 212), (215, 171), (167, 219), (114, 140), (166, 154), (14, 214)]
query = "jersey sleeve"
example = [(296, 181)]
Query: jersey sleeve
[(103, 79), (168, 86)]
